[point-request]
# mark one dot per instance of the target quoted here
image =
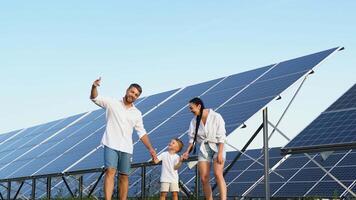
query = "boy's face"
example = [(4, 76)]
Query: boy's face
[(173, 146)]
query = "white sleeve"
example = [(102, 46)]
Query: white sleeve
[(103, 102), (176, 160), (140, 129), (191, 131), (220, 131)]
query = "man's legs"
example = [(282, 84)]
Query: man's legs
[(109, 182), (123, 186)]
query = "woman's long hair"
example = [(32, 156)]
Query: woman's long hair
[(197, 101)]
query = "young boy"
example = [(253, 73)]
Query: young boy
[(169, 172)]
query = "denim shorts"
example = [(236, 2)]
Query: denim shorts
[(212, 155), (121, 161)]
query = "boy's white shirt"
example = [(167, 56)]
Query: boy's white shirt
[(168, 174)]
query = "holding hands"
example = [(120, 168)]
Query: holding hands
[(185, 155)]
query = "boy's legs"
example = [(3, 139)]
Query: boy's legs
[(163, 196), (175, 195), (164, 190)]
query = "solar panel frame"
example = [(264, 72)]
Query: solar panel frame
[(333, 129)]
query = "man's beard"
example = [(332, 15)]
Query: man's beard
[(129, 99)]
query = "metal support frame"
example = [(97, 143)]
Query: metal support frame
[(266, 154), (18, 190), (143, 182), (239, 154), (265, 124), (49, 187), (184, 189), (9, 190), (196, 184), (96, 184), (1, 197), (67, 186), (33, 191), (80, 186), (320, 166)]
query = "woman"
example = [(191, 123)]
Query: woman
[(208, 130)]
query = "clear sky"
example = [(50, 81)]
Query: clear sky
[(51, 51)]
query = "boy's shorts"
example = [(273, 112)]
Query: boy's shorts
[(169, 187), (121, 161)]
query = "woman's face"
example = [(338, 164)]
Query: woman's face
[(194, 108)]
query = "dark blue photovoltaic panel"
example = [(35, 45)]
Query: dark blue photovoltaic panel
[(298, 169), (153, 100), (26, 142), (348, 100), (5, 136), (329, 189), (236, 98), (240, 80), (335, 126), (95, 160), (297, 65)]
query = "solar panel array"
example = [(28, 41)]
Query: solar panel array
[(335, 128), (297, 176), (73, 143)]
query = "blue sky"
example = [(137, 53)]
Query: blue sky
[(51, 51)]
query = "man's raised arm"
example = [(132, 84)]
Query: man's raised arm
[(94, 91)]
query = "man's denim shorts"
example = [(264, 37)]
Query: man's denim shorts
[(121, 161)]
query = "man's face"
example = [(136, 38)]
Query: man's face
[(131, 95), (195, 109)]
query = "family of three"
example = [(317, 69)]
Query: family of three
[(206, 130)]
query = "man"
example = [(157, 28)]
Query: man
[(121, 118)]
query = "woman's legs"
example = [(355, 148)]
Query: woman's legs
[(218, 172), (204, 170)]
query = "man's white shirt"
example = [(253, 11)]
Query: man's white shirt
[(120, 122), (168, 174)]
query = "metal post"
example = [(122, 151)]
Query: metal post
[(265, 152), (33, 193), (18, 190), (9, 190), (196, 182), (81, 187), (49, 187), (66, 184), (239, 154), (96, 183), (143, 182)]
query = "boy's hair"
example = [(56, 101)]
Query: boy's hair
[(180, 144)]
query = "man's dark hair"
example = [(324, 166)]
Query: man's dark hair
[(137, 86)]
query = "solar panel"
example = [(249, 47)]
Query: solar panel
[(300, 176), (334, 129), (60, 147)]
